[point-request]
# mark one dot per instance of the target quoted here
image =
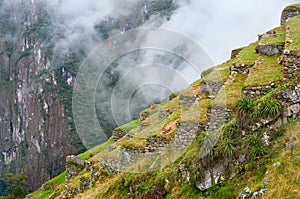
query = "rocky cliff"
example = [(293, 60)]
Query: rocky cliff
[(34, 130), (37, 131)]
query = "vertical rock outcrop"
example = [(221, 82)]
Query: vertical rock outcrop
[(35, 136)]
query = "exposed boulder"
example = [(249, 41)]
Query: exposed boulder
[(270, 49), (244, 194), (74, 166), (205, 181)]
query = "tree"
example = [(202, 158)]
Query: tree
[(16, 185)]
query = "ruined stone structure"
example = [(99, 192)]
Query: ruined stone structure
[(187, 100), (288, 13), (118, 134), (240, 68), (216, 117), (258, 91), (186, 133), (210, 87), (269, 49), (290, 61)]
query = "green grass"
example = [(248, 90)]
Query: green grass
[(266, 71), (129, 126), (281, 31), (57, 180), (41, 194), (294, 28), (204, 105), (219, 73), (293, 7), (247, 55), (232, 92), (97, 149)]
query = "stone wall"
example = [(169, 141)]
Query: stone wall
[(257, 91), (290, 99), (111, 165), (290, 61), (288, 13), (240, 68), (74, 166), (235, 53), (163, 113), (144, 115), (216, 117), (154, 143), (270, 49), (187, 100), (210, 87), (186, 133), (118, 134)]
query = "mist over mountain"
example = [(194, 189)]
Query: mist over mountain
[(44, 43)]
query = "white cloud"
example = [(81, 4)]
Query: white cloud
[(222, 25)]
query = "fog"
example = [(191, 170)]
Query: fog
[(222, 25)]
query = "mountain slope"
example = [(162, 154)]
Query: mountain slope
[(37, 130), (232, 133)]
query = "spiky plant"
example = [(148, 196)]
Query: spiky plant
[(270, 108), (257, 146), (226, 147), (245, 108)]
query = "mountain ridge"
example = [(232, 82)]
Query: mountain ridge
[(250, 103)]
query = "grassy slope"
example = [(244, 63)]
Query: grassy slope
[(266, 71)]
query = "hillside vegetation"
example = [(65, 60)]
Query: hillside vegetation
[(233, 133)]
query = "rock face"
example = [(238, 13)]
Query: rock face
[(244, 194), (205, 181), (35, 136)]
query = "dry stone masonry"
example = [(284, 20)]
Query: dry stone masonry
[(235, 53), (290, 61), (186, 133), (187, 100), (258, 91), (163, 113), (111, 165), (270, 49), (74, 166), (290, 98), (288, 13), (237, 68), (216, 117), (118, 134), (210, 87), (154, 143)]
